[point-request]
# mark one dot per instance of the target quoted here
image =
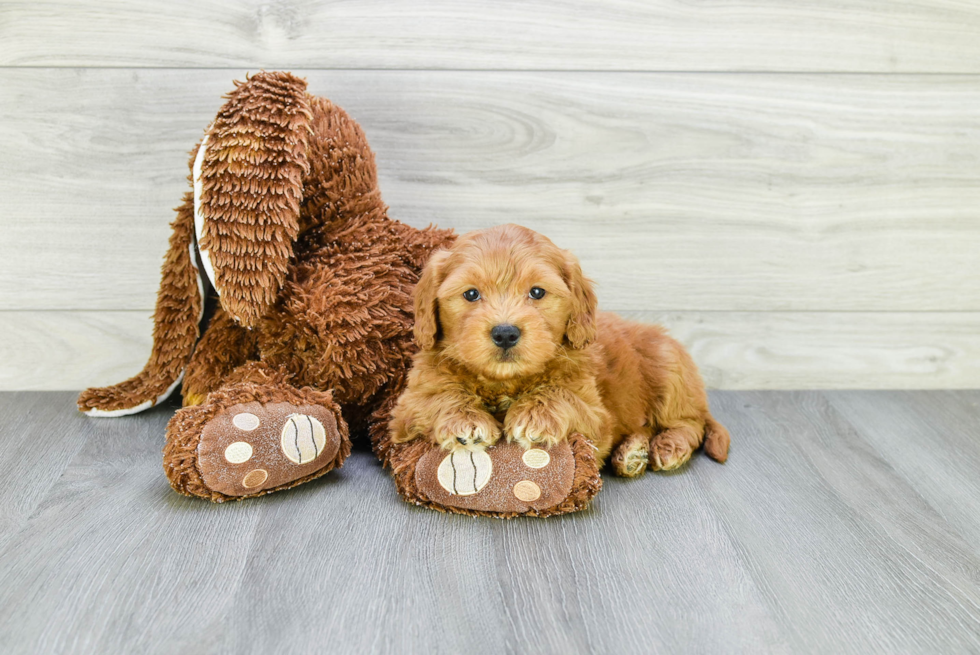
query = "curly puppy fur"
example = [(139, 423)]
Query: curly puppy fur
[(630, 388)]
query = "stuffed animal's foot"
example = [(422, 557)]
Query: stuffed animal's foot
[(632, 456), (504, 480), (225, 449), (254, 447), (193, 399)]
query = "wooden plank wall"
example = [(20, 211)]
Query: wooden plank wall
[(792, 187)]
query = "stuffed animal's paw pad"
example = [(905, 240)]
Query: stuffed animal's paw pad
[(303, 438), (252, 447), (465, 472), (238, 452), (527, 491), (536, 458), (246, 421), (504, 478)]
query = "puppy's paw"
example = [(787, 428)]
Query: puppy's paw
[(669, 450), (631, 458), (404, 426), (466, 430), (535, 426)]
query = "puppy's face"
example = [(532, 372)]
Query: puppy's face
[(503, 301)]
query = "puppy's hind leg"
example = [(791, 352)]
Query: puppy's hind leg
[(673, 446), (631, 457)]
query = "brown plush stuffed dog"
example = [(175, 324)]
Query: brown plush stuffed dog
[(313, 334), (512, 345)]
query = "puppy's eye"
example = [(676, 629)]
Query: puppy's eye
[(472, 295), (537, 293)]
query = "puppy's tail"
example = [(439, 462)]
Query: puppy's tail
[(716, 440)]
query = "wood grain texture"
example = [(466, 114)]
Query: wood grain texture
[(678, 192), (781, 35), (929, 439), (829, 350), (72, 350), (112, 556), (734, 350), (810, 539), (833, 536), (35, 428)]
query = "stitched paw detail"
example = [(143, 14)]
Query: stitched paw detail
[(503, 478), (465, 472), (251, 447), (303, 438)]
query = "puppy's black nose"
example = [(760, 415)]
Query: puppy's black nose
[(505, 336)]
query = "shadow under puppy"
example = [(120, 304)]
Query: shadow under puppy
[(511, 345)]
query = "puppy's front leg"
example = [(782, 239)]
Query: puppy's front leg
[(465, 427), (548, 415), (452, 418)]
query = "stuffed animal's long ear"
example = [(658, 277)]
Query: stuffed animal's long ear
[(175, 330), (248, 189), (426, 301), (581, 329)]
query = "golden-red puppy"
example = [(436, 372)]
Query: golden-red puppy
[(511, 344)]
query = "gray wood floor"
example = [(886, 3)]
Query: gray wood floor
[(844, 522)]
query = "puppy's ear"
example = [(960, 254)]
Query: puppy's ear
[(426, 301), (581, 329)]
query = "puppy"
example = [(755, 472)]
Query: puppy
[(511, 344)]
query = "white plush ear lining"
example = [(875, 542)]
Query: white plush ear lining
[(199, 217)]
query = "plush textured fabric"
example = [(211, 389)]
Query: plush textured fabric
[(315, 280), (253, 179), (315, 309), (181, 453), (252, 447), (175, 327), (413, 460)]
